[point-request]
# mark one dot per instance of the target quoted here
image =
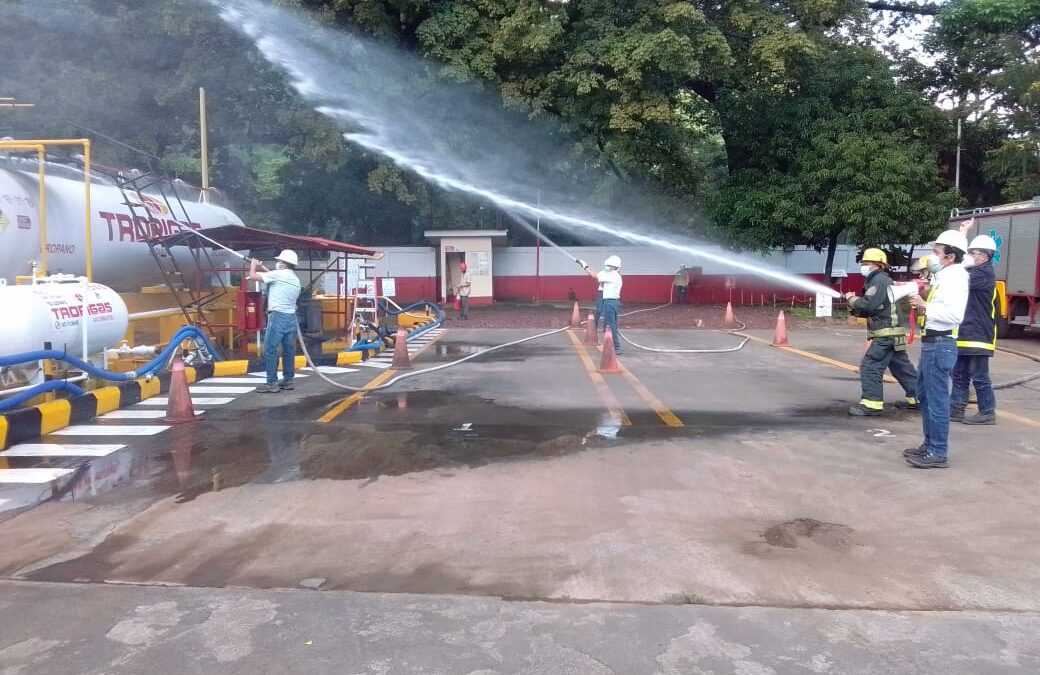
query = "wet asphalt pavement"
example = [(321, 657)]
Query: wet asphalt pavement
[(522, 475)]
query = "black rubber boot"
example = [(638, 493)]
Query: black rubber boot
[(987, 419)]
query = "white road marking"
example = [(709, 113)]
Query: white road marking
[(56, 450), (36, 476), (111, 430), (334, 370), (375, 364), (235, 380), (264, 375), (204, 389), (136, 415), (195, 400)]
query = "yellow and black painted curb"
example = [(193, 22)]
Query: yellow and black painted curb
[(26, 424)]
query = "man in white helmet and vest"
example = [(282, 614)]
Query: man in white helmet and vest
[(283, 290), (944, 311), (610, 282), (977, 336)]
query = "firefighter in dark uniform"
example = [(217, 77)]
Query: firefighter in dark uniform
[(977, 336), (886, 331)]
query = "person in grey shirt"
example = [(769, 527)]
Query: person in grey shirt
[(283, 290)]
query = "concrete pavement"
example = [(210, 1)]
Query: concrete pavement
[(115, 630)]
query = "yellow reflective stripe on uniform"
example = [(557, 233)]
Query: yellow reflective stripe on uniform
[(873, 405), (888, 332), (970, 344)]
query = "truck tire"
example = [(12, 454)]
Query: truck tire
[(1009, 331)]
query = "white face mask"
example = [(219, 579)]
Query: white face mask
[(934, 266), (865, 270), (969, 261)]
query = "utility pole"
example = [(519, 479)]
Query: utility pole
[(957, 175), (203, 135)]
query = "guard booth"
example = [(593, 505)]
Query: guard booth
[(475, 248)]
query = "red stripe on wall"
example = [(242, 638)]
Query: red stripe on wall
[(643, 288), (656, 288)]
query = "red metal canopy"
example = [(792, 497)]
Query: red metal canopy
[(240, 238)]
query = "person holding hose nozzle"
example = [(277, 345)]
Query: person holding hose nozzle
[(944, 311), (610, 281), (977, 335), (887, 334), (283, 290)]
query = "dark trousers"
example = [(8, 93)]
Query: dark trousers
[(881, 356), (972, 369), (463, 306), (599, 310), (680, 295), (938, 358)]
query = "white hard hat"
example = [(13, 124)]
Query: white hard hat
[(955, 239), (289, 257), (983, 242), (613, 261)]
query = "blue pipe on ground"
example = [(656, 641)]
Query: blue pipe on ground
[(186, 333), (54, 385)]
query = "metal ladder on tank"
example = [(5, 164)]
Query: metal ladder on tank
[(134, 185)]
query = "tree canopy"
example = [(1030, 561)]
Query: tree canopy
[(759, 123)]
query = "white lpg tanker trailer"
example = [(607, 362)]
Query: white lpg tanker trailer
[(121, 258), (49, 306)]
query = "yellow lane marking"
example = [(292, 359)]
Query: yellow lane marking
[(346, 403), (606, 395), (354, 398), (848, 366), (815, 357), (663, 411), (1018, 418)]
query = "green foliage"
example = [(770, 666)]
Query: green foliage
[(847, 152), (763, 112)]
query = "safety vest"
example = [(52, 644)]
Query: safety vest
[(921, 318)]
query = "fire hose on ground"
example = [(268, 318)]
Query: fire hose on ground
[(186, 333), (1020, 380)]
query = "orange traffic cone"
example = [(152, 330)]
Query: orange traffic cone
[(179, 409), (608, 363), (730, 319), (780, 336), (590, 330), (401, 359), (576, 316)]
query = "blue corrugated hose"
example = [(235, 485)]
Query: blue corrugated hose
[(54, 385)]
